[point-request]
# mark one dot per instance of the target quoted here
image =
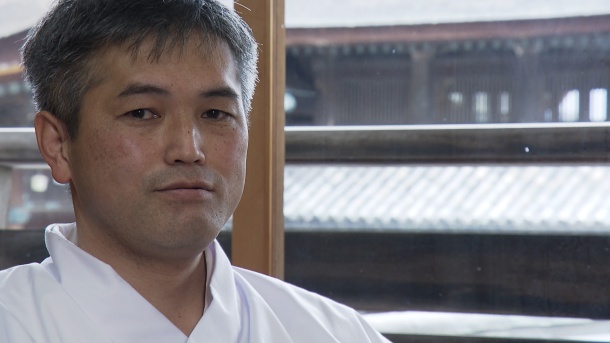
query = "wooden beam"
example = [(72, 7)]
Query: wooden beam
[(10, 70), (6, 178), (258, 222), (448, 32)]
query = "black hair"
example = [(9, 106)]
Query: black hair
[(60, 49)]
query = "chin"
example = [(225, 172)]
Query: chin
[(198, 233)]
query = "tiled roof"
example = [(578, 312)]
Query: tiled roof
[(454, 199), (503, 199)]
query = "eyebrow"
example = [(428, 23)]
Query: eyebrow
[(139, 89), (222, 92)]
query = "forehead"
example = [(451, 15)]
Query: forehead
[(193, 52)]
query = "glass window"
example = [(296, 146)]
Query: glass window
[(436, 187), (33, 198), (16, 17)]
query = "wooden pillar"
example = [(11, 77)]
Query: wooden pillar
[(6, 178), (554, 104), (468, 115), (327, 109), (530, 84), (258, 222), (493, 104), (418, 106), (583, 105)]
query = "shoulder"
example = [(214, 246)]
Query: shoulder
[(21, 286), (34, 307), (24, 277), (17, 288), (297, 307), (19, 276)]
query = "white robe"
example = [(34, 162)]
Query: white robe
[(73, 297)]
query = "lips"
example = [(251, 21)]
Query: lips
[(186, 185)]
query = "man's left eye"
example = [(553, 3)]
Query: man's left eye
[(215, 114)]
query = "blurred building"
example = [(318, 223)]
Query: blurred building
[(16, 106), (481, 62)]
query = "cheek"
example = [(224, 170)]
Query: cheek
[(113, 153), (239, 153), (230, 156)]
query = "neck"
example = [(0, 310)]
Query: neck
[(178, 292), (175, 287)]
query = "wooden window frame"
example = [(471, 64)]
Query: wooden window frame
[(258, 222)]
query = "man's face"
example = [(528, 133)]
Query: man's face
[(158, 165)]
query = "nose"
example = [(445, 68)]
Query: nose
[(184, 143)]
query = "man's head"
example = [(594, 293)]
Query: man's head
[(59, 54), (143, 110)]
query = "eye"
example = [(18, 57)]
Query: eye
[(142, 113), (215, 114)]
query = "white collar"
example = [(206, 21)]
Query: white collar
[(121, 312)]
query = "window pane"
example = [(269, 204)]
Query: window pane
[(452, 248), (16, 17), (37, 200)]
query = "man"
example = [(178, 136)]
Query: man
[(143, 111)]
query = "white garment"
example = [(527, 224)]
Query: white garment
[(74, 297)]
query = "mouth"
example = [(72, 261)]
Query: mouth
[(195, 186)]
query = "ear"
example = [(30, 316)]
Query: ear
[(53, 143)]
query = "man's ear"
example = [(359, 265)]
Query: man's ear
[(53, 143)]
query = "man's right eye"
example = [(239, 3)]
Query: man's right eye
[(142, 113)]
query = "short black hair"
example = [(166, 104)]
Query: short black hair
[(59, 50)]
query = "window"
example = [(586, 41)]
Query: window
[(449, 181)]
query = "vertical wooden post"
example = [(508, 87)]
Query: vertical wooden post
[(583, 104), (6, 178), (530, 83), (418, 106), (258, 222)]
